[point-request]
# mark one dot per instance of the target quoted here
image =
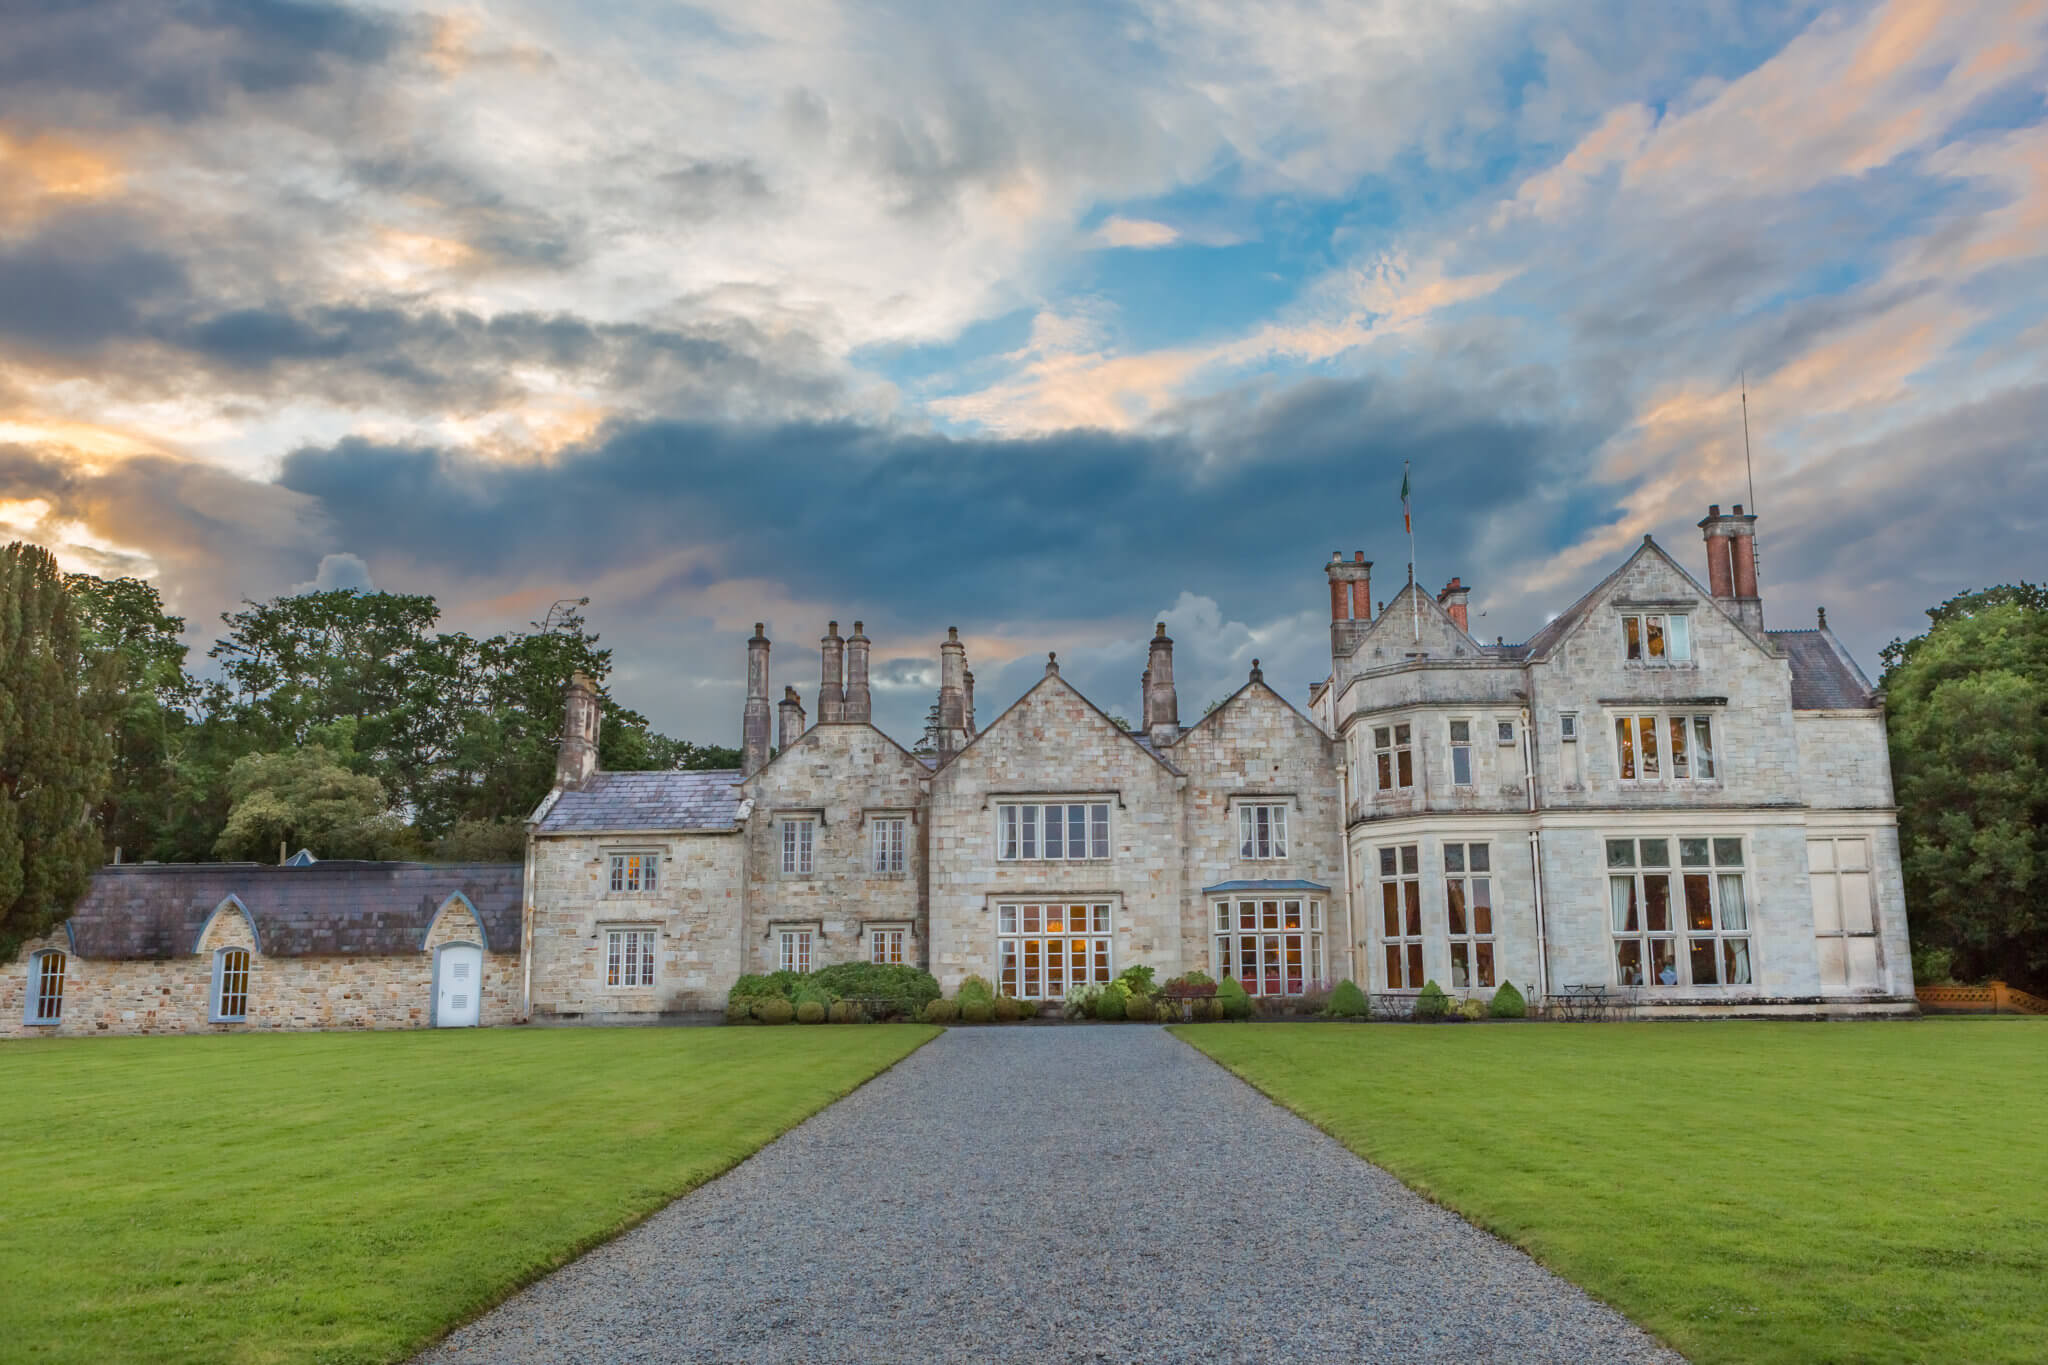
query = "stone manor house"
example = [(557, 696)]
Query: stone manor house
[(1653, 794)]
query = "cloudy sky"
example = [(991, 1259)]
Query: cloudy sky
[(1047, 321)]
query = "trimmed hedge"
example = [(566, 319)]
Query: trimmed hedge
[(811, 1012), (774, 1010), (910, 988), (975, 988), (941, 1012), (1432, 1003), (844, 1012), (1348, 1002), (976, 1011)]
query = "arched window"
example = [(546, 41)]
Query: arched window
[(230, 985), (45, 1004)]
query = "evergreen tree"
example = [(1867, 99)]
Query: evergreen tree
[(54, 749)]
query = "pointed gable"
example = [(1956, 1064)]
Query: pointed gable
[(1021, 712), (1413, 623), (1648, 577)]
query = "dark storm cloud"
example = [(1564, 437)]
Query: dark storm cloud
[(85, 279), (177, 60)]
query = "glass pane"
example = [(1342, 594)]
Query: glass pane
[(1415, 966), (1653, 635), (1703, 747), (1657, 904), (1625, 746), (1386, 862), (1055, 968), (1382, 737), (1628, 962), (1222, 914), (1413, 897), (1400, 735), (1411, 860), (1101, 919), (1393, 966), (1699, 902), (1031, 919), (1461, 767), (1728, 852), (1454, 857), (1703, 963), (1454, 904), (1664, 961), (1055, 919), (1008, 975), (1247, 914), (1646, 734), (1461, 732), (1680, 639), (1390, 905), (1678, 764), (1290, 914), (1272, 964), (1294, 965), (1734, 910), (1386, 772), (1735, 962), (1461, 971), (1271, 916), (1621, 893), (1482, 905), (1028, 837), (1485, 952), (1656, 853), (1006, 919), (1481, 859), (1077, 831), (1055, 832), (1009, 814), (1404, 762), (1692, 852), (1632, 637), (1621, 853)]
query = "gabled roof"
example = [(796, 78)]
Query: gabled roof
[(817, 726), (1824, 677), (646, 802), (1539, 645), (1258, 680), (1143, 742), (336, 908)]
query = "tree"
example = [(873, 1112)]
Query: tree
[(308, 797), (124, 630), (1968, 717), (55, 754)]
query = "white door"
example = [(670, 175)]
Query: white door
[(460, 983)]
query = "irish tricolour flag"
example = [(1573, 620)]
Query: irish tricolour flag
[(1407, 522)]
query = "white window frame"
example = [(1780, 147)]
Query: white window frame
[(1393, 746), (1262, 831), (1024, 831), (1504, 731), (1846, 926), (1271, 947), (237, 976), (889, 944), (634, 872), (799, 843), (1469, 915), (1681, 740), (1568, 727), (1460, 740), (1671, 641), (1399, 924), (888, 846), (43, 1007), (1698, 876), (794, 949), (630, 954), (1035, 961)]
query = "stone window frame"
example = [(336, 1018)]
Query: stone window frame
[(1504, 731), (1391, 744), (617, 881), (799, 835), (1632, 756), (1260, 925), (1713, 867), (1634, 624), (1278, 841), (37, 996), (1010, 831), (241, 976), (1025, 948), (788, 936), (1460, 748), (1841, 935), (648, 946), (1469, 883), (880, 856), (1400, 879), (881, 934)]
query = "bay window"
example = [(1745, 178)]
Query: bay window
[(1468, 900), (1401, 915), (1042, 949), (1679, 926), (1270, 947)]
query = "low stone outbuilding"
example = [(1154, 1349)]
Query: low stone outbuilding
[(236, 947)]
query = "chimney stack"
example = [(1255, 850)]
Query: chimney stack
[(968, 687), (857, 704), (1350, 600), (1456, 599), (1162, 707), (754, 738), (1145, 701), (792, 718), (1731, 563), (831, 685), (952, 692), (576, 758)]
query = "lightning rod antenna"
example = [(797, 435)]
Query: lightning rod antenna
[(1749, 469)]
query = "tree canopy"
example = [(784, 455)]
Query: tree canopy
[(1968, 713)]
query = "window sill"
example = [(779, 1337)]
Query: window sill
[(41, 1023)]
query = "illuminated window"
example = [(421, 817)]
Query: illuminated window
[(629, 957), (1271, 947), (1043, 949), (1656, 639), (1401, 915), (633, 873), (230, 985), (1683, 926), (1652, 748), (1468, 913), (45, 988)]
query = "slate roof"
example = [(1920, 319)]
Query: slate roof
[(1824, 677), (647, 801), (339, 908)]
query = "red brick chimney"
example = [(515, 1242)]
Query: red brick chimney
[(1350, 587), (1455, 598), (1731, 562)]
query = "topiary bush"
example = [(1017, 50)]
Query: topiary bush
[(811, 1012), (1110, 1004), (975, 988), (909, 989), (844, 1012), (1508, 1003), (941, 1012), (774, 1010), (1139, 1008), (1237, 1004), (1432, 1004), (1349, 1002), (1007, 1010), (977, 1011)]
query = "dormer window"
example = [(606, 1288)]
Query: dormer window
[(1656, 638)]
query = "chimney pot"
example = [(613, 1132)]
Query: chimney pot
[(1358, 556), (1713, 509), (1738, 509)]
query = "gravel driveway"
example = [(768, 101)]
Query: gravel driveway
[(1080, 1193)]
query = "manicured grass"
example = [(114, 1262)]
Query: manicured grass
[(1748, 1191), (348, 1197)]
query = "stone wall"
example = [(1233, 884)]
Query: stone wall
[(696, 908), (1844, 760), (176, 995)]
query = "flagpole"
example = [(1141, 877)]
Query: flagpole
[(1414, 602)]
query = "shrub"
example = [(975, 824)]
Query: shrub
[(1236, 1003), (1218, 1011), (941, 1012), (1080, 1002), (1348, 1002), (810, 993), (1508, 1002), (844, 1012), (1137, 978), (1007, 1010), (774, 1010), (756, 988), (1110, 1004), (739, 1011), (1473, 1010), (908, 988), (1139, 1007), (976, 1011), (1933, 966), (975, 988), (1432, 1003), (811, 1012)]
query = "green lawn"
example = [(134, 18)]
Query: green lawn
[(1748, 1191), (348, 1197)]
